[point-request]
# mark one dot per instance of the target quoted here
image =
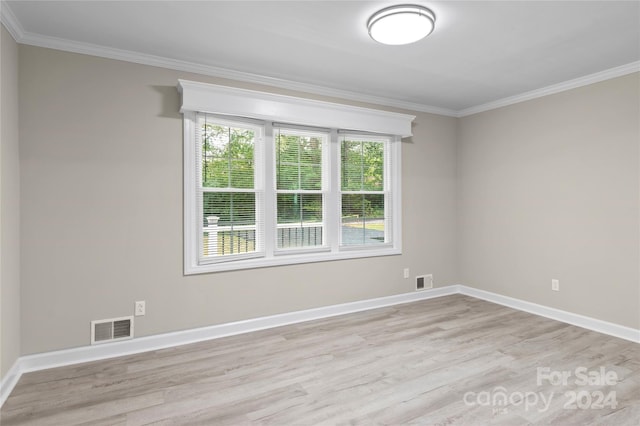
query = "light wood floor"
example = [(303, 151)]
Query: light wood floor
[(407, 364)]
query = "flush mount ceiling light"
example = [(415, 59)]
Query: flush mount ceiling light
[(402, 24)]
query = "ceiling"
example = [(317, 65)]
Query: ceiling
[(481, 52)]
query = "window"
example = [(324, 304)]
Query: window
[(261, 193), (364, 194), (229, 189), (300, 188)]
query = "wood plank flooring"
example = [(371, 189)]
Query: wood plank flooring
[(445, 361)]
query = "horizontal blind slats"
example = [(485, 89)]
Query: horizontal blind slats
[(364, 201), (228, 198), (299, 187)]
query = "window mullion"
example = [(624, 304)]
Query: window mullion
[(270, 193), (332, 194), (300, 199), (394, 186)]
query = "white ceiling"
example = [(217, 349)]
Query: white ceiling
[(481, 52)]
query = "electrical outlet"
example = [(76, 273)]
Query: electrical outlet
[(555, 285), (141, 308), (406, 272)]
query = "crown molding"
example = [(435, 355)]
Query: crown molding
[(24, 37), (16, 30), (555, 88), (10, 22)]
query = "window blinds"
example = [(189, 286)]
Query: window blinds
[(228, 190)]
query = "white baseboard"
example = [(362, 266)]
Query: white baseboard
[(589, 323), (78, 355), (71, 356), (9, 381)]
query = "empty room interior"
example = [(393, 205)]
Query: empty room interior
[(320, 212)]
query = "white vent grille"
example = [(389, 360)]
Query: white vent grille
[(110, 330), (424, 282)]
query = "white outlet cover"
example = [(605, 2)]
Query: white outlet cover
[(140, 308)]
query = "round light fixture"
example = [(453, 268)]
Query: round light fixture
[(402, 24)]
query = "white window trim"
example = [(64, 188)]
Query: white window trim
[(390, 177), (258, 189), (227, 101)]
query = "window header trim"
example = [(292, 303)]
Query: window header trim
[(224, 100)]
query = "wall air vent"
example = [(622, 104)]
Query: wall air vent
[(424, 282), (111, 330)]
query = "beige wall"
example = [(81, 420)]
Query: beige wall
[(101, 153), (9, 205), (503, 201), (549, 188)]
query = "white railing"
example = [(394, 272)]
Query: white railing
[(222, 240)]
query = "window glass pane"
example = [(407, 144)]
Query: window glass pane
[(373, 166), (299, 208), (299, 220), (311, 177), (363, 219), (229, 223), (287, 176), (298, 161), (227, 156), (362, 164)]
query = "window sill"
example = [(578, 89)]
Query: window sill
[(291, 259)]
